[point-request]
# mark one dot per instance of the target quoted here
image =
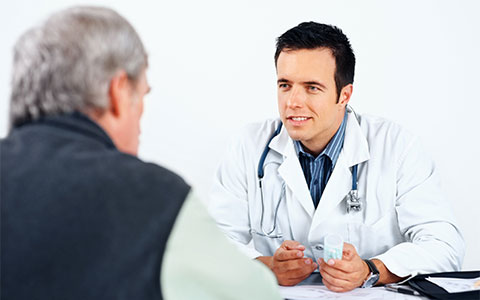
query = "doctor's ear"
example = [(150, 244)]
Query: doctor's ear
[(345, 95)]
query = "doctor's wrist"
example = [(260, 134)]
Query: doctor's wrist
[(366, 272), (385, 275), (373, 275)]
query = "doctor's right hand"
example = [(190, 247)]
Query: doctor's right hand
[(288, 263)]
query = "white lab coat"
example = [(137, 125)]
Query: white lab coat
[(405, 222)]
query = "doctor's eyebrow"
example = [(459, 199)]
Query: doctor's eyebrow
[(321, 85), (315, 83), (282, 80)]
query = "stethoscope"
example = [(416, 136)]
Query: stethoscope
[(352, 200)]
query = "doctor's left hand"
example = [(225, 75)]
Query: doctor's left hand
[(342, 275)]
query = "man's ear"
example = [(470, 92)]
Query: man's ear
[(345, 95), (119, 92)]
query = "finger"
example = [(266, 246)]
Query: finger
[(312, 264), (303, 271), (331, 263), (292, 245), (284, 255), (335, 283), (349, 251), (334, 272), (292, 265), (334, 288), (293, 271), (299, 279), (293, 281), (321, 263), (345, 266)]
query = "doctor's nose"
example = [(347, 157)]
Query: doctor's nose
[(296, 98)]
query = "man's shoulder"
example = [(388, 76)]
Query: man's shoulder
[(259, 131), (381, 130), (381, 125), (138, 172), (264, 125)]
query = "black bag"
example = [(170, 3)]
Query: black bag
[(431, 290)]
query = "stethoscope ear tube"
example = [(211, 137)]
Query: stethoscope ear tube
[(265, 153), (354, 177)]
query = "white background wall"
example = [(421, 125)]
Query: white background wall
[(211, 69)]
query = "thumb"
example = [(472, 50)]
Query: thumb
[(292, 245), (348, 251)]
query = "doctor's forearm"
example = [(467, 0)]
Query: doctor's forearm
[(385, 275)]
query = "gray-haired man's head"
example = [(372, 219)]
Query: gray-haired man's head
[(67, 63)]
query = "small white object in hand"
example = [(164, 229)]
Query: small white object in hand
[(333, 248)]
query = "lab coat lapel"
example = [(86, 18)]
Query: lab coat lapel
[(354, 151), (291, 171)]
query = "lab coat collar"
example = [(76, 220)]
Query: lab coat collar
[(355, 145), (355, 151), (280, 142), (291, 171)]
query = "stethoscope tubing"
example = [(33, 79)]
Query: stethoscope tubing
[(353, 194)]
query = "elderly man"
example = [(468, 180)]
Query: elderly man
[(82, 216)]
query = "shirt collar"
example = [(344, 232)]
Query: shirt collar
[(333, 148), (79, 123)]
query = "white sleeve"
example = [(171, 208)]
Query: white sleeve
[(200, 263), (425, 218), (228, 202)]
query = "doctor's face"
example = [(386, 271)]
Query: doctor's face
[(307, 96)]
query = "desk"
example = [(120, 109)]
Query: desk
[(311, 292), (312, 288)]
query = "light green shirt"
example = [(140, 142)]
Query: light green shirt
[(201, 263)]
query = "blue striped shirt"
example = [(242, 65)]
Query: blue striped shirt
[(317, 170)]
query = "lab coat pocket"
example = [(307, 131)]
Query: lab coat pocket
[(377, 237), (385, 220)]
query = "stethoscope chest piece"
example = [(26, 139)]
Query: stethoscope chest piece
[(353, 202)]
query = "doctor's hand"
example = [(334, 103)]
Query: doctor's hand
[(288, 263), (342, 275)]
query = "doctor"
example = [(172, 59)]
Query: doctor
[(286, 184)]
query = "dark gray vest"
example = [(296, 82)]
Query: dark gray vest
[(79, 219)]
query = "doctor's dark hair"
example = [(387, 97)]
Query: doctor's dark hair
[(312, 35)]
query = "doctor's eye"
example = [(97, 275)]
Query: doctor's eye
[(313, 89), (283, 86)]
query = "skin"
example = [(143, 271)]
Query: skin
[(288, 263), (121, 120), (342, 275), (307, 89)]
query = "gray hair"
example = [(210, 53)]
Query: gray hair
[(66, 64)]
